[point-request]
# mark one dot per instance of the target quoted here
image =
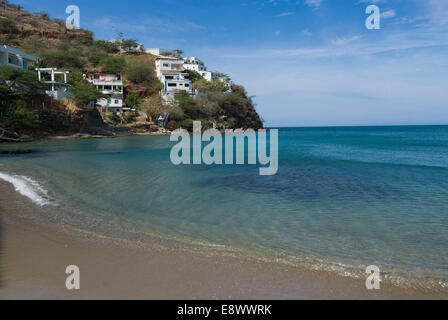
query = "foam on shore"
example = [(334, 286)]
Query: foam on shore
[(28, 187)]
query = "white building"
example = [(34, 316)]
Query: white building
[(134, 49), (192, 63), (110, 85), (171, 73), (161, 52), (56, 88), (16, 58)]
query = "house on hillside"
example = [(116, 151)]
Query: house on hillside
[(192, 63), (110, 85), (137, 47), (171, 73), (56, 82), (16, 58), (163, 52)]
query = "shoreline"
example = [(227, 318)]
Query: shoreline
[(34, 257), (84, 136)]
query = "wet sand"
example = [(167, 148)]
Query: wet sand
[(33, 259)]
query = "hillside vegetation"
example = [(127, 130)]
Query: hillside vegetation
[(78, 52)]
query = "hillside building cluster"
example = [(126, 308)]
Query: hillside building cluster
[(170, 69)]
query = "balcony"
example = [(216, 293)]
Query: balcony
[(97, 82)]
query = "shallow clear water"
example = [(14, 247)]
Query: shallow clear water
[(376, 195)]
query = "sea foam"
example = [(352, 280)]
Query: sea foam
[(28, 188)]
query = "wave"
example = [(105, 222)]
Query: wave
[(28, 187)]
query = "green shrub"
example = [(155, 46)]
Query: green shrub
[(194, 75), (21, 118), (187, 124), (7, 26), (176, 114), (132, 101), (113, 64), (172, 125), (83, 93), (61, 59), (86, 38), (156, 86), (129, 44), (153, 106), (114, 118), (95, 55), (19, 83), (107, 46), (139, 72)]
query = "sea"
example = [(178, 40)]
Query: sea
[(343, 198)]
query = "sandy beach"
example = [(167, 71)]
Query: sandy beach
[(34, 258)]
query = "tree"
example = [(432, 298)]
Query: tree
[(132, 101), (113, 64), (21, 118), (128, 45), (83, 93), (19, 88), (194, 75), (178, 53), (139, 71), (19, 83)]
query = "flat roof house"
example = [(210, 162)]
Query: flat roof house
[(171, 73), (110, 85), (193, 63), (56, 88), (16, 58), (160, 52)]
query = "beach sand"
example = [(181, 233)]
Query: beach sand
[(33, 259)]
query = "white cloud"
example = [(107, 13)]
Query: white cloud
[(314, 3), (388, 14), (344, 41), (284, 14)]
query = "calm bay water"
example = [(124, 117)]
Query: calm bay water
[(343, 197)]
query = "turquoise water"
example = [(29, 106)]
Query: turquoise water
[(343, 197)]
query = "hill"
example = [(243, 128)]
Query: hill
[(78, 52)]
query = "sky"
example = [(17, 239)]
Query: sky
[(305, 62)]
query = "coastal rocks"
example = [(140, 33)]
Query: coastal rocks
[(90, 122), (10, 136), (54, 121)]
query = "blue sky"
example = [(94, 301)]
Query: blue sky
[(307, 62)]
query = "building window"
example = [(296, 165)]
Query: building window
[(166, 65), (116, 101), (172, 85), (187, 85), (14, 59), (169, 77)]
